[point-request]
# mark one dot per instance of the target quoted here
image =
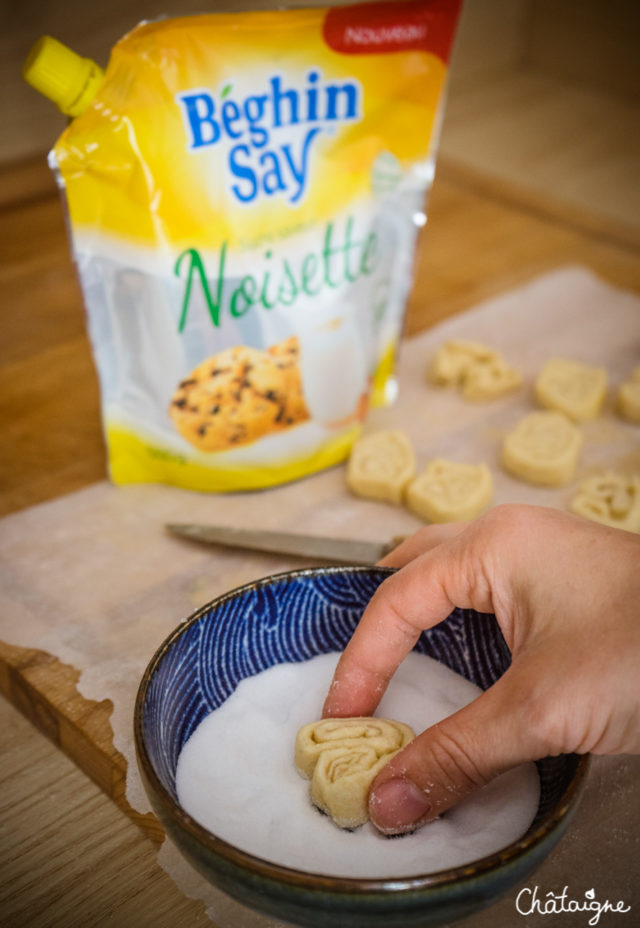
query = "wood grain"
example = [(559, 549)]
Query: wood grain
[(69, 858), (44, 690), (587, 42), (572, 150)]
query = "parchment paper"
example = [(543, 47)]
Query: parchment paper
[(93, 579)]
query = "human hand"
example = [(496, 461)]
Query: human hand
[(566, 593)]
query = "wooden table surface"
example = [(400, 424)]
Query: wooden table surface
[(70, 856)]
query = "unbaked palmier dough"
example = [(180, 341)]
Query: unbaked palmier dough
[(577, 390), (610, 498), (543, 449), (487, 381), (629, 397), (342, 757), (380, 465), (481, 373), (448, 491)]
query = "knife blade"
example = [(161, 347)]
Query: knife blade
[(336, 550)]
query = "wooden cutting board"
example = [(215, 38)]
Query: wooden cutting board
[(93, 579)]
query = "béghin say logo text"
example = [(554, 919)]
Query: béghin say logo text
[(268, 137), (530, 901)]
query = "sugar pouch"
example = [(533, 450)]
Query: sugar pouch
[(244, 193)]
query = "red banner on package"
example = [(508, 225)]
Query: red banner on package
[(422, 25)]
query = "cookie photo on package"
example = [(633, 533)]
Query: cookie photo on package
[(244, 193)]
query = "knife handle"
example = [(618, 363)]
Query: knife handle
[(395, 541)]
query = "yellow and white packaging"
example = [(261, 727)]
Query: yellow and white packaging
[(244, 193)]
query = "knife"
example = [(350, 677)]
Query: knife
[(340, 550)]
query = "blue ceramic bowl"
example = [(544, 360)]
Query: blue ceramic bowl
[(293, 617)]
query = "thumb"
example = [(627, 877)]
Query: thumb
[(452, 759)]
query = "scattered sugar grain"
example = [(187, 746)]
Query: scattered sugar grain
[(236, 775)]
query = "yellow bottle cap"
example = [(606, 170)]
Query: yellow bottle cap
[(62, 75)]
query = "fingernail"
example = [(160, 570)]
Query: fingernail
[(398, 806)]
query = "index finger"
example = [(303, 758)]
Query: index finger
[(417, 597), (426, 538)]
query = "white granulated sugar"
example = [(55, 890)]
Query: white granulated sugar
[(236, 775)]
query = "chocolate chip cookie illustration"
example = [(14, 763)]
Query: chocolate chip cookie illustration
[(239, 395)]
